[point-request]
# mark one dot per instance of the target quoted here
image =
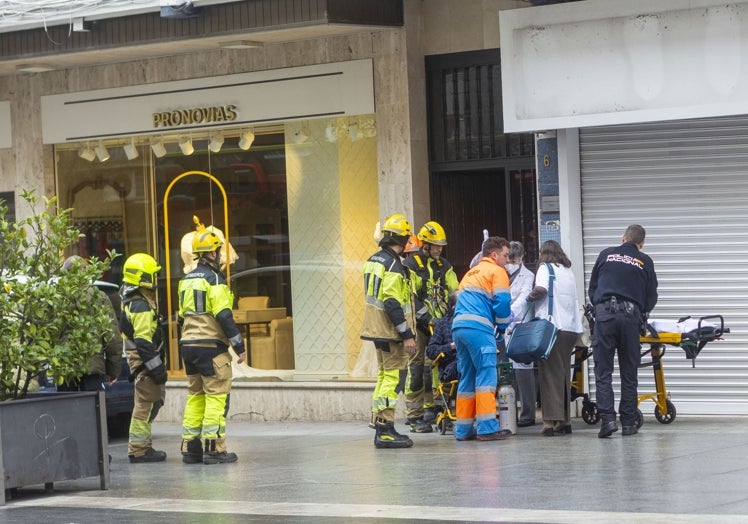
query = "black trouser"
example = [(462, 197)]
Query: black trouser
[(616, 330)]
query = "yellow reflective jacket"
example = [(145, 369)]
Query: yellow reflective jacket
[(205, 304), (388, 310)]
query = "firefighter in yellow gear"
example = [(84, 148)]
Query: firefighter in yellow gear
[(140, 327), (208, 327), (433, 279), (388, 322)]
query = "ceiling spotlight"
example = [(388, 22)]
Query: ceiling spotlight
[(131, 150), (354, 132), (331, 132), (216, 141), (247, 137), (101, 152), (86, 153), (185, 144), (158, 148)]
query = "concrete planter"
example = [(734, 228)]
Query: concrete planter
[(53, 437)]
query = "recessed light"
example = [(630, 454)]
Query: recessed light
[(34, 68), (240, 44)]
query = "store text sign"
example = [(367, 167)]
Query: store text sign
[(195, 115), (245, 99)]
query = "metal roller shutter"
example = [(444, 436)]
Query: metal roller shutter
[(686, 182)]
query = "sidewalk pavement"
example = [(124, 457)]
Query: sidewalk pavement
[(693, 470)]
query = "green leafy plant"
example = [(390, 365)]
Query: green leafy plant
[(50, 318)]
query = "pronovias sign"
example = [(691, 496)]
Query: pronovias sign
[(296, 93), (195, 115)]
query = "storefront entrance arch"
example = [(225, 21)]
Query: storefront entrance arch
[(173, 349)]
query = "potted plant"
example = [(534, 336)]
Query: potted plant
[(50, 322)]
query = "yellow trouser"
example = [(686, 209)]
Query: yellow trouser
[(149, 397), (208, 403), (390, 363)]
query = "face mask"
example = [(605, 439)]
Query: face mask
[(512, 267)]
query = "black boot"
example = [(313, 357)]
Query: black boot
[(211, 456), (150, 455), (192, 451), (387, 437)]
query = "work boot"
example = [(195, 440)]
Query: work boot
[(429, 415), (419, 426), (150, 455), (212, 456), (192, 451), (387, 437)]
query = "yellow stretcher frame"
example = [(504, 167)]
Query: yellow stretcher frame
[(692, 343)]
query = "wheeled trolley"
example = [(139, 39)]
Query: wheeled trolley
[(691, 335), (445, 396)]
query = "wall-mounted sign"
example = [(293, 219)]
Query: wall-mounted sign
[(294, 93), (549, 204), (6, 136), (195, 115)]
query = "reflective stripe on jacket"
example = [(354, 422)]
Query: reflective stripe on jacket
[(484, 299)]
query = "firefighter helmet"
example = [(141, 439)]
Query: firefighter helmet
[(205, 241), (432, 233), (396, 229), (397, 225), (413, 245), (140, 270)]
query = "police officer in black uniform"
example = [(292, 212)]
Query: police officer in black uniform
[(623, 289)]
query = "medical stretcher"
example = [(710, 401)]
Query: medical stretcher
[(689, 334)]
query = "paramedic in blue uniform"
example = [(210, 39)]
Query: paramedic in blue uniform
[(623, 289)]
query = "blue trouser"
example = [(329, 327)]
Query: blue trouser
[(616, 330), (476, 391)]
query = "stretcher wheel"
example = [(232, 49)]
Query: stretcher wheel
[(590, 414), (639, 418), (445, 425), (668, 417)]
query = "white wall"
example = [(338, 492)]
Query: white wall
[(605, 62)]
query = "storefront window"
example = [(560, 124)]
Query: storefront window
[(302, 200)]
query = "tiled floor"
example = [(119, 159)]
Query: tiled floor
[(693, 470)]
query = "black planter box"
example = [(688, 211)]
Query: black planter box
[(53, 437)]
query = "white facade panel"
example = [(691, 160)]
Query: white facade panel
[(315, 91), (603, 62), (686, 182)]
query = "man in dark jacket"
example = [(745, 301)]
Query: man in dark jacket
[(623, 289)]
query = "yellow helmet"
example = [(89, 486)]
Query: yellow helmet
[(205, 241), (397, 229), (140, 270), (397, 225), (432, 233)]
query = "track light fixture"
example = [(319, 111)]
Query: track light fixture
[(246, 138), (158, 147), (216, 141), (185, 144), (331, 132), (131, 150), (101, 152), (86, 153), (353, 131)]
